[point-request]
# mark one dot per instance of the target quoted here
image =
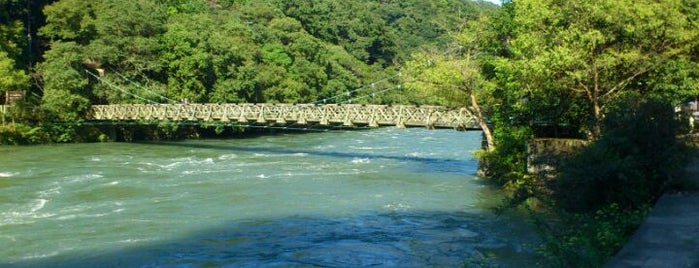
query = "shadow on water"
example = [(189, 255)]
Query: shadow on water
[(464, 166), (394, 239)]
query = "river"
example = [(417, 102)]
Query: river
[(386, 197)]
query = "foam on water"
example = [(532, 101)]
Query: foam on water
[(84, 178), (214, 171), (397, 207), (48, 193), (227, 157), (39, 205), (368, 148), (361, 161), (41, 256), (25, 213), (324, 147), (416, 154), (134, 240), (8, 174)]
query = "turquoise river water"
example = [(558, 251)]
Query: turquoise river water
[(386, 197)]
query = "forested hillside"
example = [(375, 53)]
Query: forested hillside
[(92, 52)]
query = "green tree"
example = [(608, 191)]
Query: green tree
[(596, 50), (65, 87), (70, 20), (612, 70), (351, 24), (10, 77), (455, 76), (12, 30), (632, 162), (18, 50)]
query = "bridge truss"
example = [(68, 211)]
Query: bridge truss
[(347, 115)]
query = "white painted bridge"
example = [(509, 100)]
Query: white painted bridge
[(291, 114)]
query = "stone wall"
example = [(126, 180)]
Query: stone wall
[(544, 155)]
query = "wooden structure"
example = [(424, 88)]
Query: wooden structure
[(12, 96), (291, 114)]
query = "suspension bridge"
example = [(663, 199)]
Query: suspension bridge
[(327, 112), (346, 115)]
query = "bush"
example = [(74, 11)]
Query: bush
[(507, 163), (631, 163), (586, 240), (20, 134)]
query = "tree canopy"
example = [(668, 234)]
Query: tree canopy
[(231, 51), (81, 53), (572, 57)]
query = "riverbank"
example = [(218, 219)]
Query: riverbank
[(21, 134), (670, 235)]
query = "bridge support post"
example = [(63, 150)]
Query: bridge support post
[(324, 119), (261, 116), (428, 121), (399, 121), (242, 118), (372, 118), (348, 123)]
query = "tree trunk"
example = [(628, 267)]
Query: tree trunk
[(597, 127), (480, 119)]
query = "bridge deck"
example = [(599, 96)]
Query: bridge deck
[(286, 114)]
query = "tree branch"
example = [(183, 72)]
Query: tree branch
[(626, 81)]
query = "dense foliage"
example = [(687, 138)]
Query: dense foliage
[(104, 52), (561, 67), (610, 72), (604, 190), (637, 149)]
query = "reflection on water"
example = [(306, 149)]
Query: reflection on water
[(386, 197)]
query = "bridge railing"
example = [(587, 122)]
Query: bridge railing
[(302, 114)]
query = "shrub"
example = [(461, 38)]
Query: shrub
[(635, 157), (586, 240), (19, 134)]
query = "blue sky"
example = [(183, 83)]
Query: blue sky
[(493, 1)]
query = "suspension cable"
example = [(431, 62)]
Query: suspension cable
[(142, 87), (349, 93), (373, 94), (120, 89)]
